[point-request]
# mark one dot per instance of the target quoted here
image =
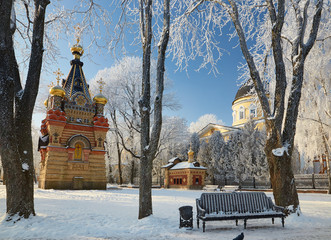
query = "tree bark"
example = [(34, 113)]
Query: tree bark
[(149, 143), (280, 168), (17, 154), (145, 180)]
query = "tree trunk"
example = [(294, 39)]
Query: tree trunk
[(149, 144), (281, 177), (280, 167), (15, 123), (119, 157), (145, 182)]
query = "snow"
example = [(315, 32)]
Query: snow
[(280, 151), (167, 165), (172, 159), (44, 138), (25, 166), (183, 165), (113, 214)]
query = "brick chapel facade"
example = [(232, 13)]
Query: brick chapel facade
[(73, 133)]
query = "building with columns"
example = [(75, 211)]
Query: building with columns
[(73, 133), (245, 107)]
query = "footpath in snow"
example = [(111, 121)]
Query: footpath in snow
[(112, 214)]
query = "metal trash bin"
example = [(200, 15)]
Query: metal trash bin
[(186, 217)]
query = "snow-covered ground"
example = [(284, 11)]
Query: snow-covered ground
[(112, 214)]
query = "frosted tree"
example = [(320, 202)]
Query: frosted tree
[(280, 32), (203, 121), (218, 156), (16, 105), (174, 137), (149, 34), (314, 123), (195, 144), (247, 148), (204, 158)]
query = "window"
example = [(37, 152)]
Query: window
[(241, 113), (78, 152), (252, 111), (178, 181)]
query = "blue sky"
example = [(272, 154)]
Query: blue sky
[(198, 93)]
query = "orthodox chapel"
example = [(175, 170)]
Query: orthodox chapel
[(73, 133)]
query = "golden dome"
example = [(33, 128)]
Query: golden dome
[(99, 98), (57, 91), (77, 50), (46, 102)]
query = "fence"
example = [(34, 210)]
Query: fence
[(303, 181)]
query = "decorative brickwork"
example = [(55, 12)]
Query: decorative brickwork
[(73, 134)]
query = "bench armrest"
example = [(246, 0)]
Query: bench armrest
[(200, 211), (279, 208), (275, 207)]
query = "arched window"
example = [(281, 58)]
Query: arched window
[(234, 116), (252, 111), (241, 113), (78, 152)]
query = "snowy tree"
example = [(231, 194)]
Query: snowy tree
[(279, 32), (247, 148), (314, 123), (149, 137), (195, 144), (204, 158), (123, 88), (203, 121), (218, 156), (174, 135), (16, 106)]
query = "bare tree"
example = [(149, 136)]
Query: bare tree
[(263, 19), (16, 106), (150, 138)]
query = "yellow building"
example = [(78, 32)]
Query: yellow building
[(245, 107)]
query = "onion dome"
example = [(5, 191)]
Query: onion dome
[(190, 156), (190, 152), (57, 91), (100, 98), (46, 102), (77, 50)]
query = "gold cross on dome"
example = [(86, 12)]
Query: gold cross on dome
[(58, 74), (51, 85), (101, 84), (78, 32)]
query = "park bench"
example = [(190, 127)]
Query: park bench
[(211, 188), (236, 206)]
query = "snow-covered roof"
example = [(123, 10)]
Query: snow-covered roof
[(184, 165), (209, 126), (171, 162), (167, 165), (173, 159)]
